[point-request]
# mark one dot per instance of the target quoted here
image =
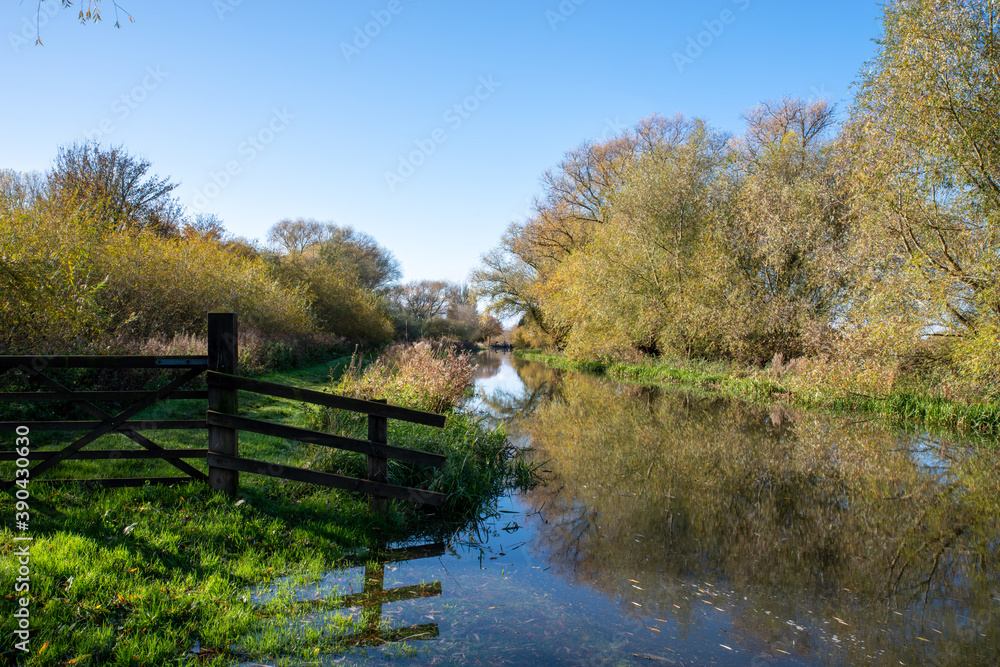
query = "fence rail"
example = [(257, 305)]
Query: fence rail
[(222, 422), (375, 447)]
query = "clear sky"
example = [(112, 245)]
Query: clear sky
[(426, 123)]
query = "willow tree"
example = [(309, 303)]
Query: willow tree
[(519, 276), (346, 272), (639, 282), (782, 231), (926, 131)]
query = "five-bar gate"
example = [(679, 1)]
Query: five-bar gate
[(221, 419)]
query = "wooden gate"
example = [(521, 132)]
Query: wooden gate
[(186, 369), (221, 419)]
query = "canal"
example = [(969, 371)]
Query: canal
[(683, 529)]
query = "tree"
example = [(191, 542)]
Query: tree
[(784, 230), (417, 302), (489, 327), (925, 134), (340, 248), (345, 271), (112, 189), (90, 11), (375, 267), (638, 282)]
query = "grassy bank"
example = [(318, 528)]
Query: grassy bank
[(912, 404), (169, 575)]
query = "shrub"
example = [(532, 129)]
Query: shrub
[(158, 287), (413, 375)]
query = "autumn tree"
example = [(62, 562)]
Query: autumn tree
[(637, 284), (926, 139), (347, 273), (112, 189), (576, 200), (783, 230)]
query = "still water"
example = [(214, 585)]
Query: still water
[(683, 530)]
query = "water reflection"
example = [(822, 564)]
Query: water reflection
[(693, 530), (509, 388), (828, 540), (367, 605)]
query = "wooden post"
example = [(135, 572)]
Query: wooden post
[(378, 467), (223, 353)]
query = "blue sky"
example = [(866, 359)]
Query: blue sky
[(426, 123)]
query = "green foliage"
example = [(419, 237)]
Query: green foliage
[(481, 460), (142, 575), (343, 273), (848, 249), (95, 255), (49, 288), (926, 171), (414, 375), (156, 285)]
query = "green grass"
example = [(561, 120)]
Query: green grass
[(912, 406), (141, 576)]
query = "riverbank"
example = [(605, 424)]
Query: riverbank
[(913, 405), (167, 575)]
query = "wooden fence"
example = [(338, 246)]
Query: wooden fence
[(221, 419)]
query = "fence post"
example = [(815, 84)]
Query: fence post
[(378, 467), (223, 352)]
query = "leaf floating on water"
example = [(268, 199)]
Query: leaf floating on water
[(655, 658)]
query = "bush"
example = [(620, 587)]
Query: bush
[(68, 288), (158, 287), (413, 375)]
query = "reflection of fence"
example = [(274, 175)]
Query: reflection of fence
[(222, 420), (375, 595)]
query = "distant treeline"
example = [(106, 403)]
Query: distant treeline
[(865, 240), (96, 255)]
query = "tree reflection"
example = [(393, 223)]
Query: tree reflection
[(537, 384), (810, 532)]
